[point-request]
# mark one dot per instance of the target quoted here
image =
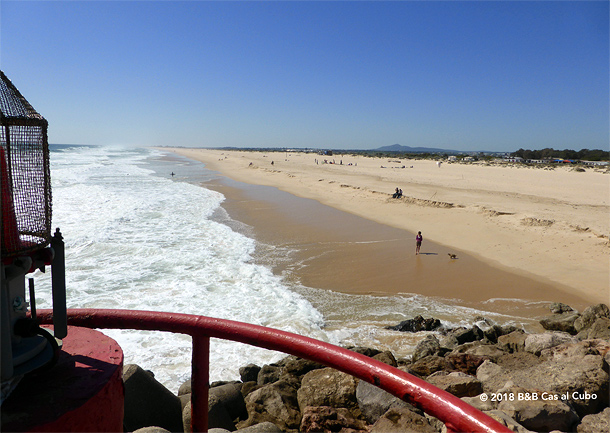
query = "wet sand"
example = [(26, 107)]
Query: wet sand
[(322, 247)]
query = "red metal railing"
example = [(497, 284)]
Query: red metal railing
[(456, 414)]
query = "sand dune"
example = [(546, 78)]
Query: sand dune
[(547, 223)]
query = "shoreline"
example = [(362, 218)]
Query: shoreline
[(482, 215)]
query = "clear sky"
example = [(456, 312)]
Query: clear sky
[(463, 75)]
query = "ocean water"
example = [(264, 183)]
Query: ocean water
[(138, 238)]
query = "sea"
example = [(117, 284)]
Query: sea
[(138, 238)]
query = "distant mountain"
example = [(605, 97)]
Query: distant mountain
[(407, 149)]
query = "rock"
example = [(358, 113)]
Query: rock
[(538, 415), (330, 419), (599, 329), (387, 358), (374, 402), (468, 335), (268, 374), (491, 376), (416, 324), (299, 367), (249, 373), (153, 429), (263, 427), (232, 399), (457, 383), (148, 403), (536, 343), (581, 379), (402, 420), (276, 403), (482, 405), (513, 342), (248, 387), (576, 350), (218, 430), (328, 387), (458, 336), (563, 322), (465, 362), (218, 417), (428, 365), (590, 315), (477, 348), (366, 351), (507, 329), (518, 360), (448, 342), (436, 423), (184, 399), (426, 347), (185, 388), (595, 423), (483, 323), (494, 376), (558, 308), (506, 420), (493, 333)]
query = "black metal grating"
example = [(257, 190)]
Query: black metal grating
[(25, 180)]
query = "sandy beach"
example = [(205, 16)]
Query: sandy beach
[(547, 227)]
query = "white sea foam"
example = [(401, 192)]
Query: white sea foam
[(139, 241)]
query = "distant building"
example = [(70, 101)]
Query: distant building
[(596, 163), (514, 159)]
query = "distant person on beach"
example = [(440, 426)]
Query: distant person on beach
[(418, 240), (398, 193)]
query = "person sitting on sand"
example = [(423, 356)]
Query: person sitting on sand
[(418, 240), (397, 193)]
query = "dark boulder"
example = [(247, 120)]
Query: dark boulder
[(416, 324), (430, 364), (590, 315), (563, 322), (427, 347), (559, 308), (249, 373), (148, 403)]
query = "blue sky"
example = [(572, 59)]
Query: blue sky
[(463, 75)]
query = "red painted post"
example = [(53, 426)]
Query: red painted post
[(200, 383)]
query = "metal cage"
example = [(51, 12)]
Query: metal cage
[(25, 174)]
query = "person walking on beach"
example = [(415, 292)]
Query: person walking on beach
[(418, 240)]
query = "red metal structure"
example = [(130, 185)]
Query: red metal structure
[(456, 414)]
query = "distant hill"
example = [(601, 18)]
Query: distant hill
[(407, 149)]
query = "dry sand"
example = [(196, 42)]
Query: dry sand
[(549, 225)]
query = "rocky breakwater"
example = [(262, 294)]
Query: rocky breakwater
[(556, 380)]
